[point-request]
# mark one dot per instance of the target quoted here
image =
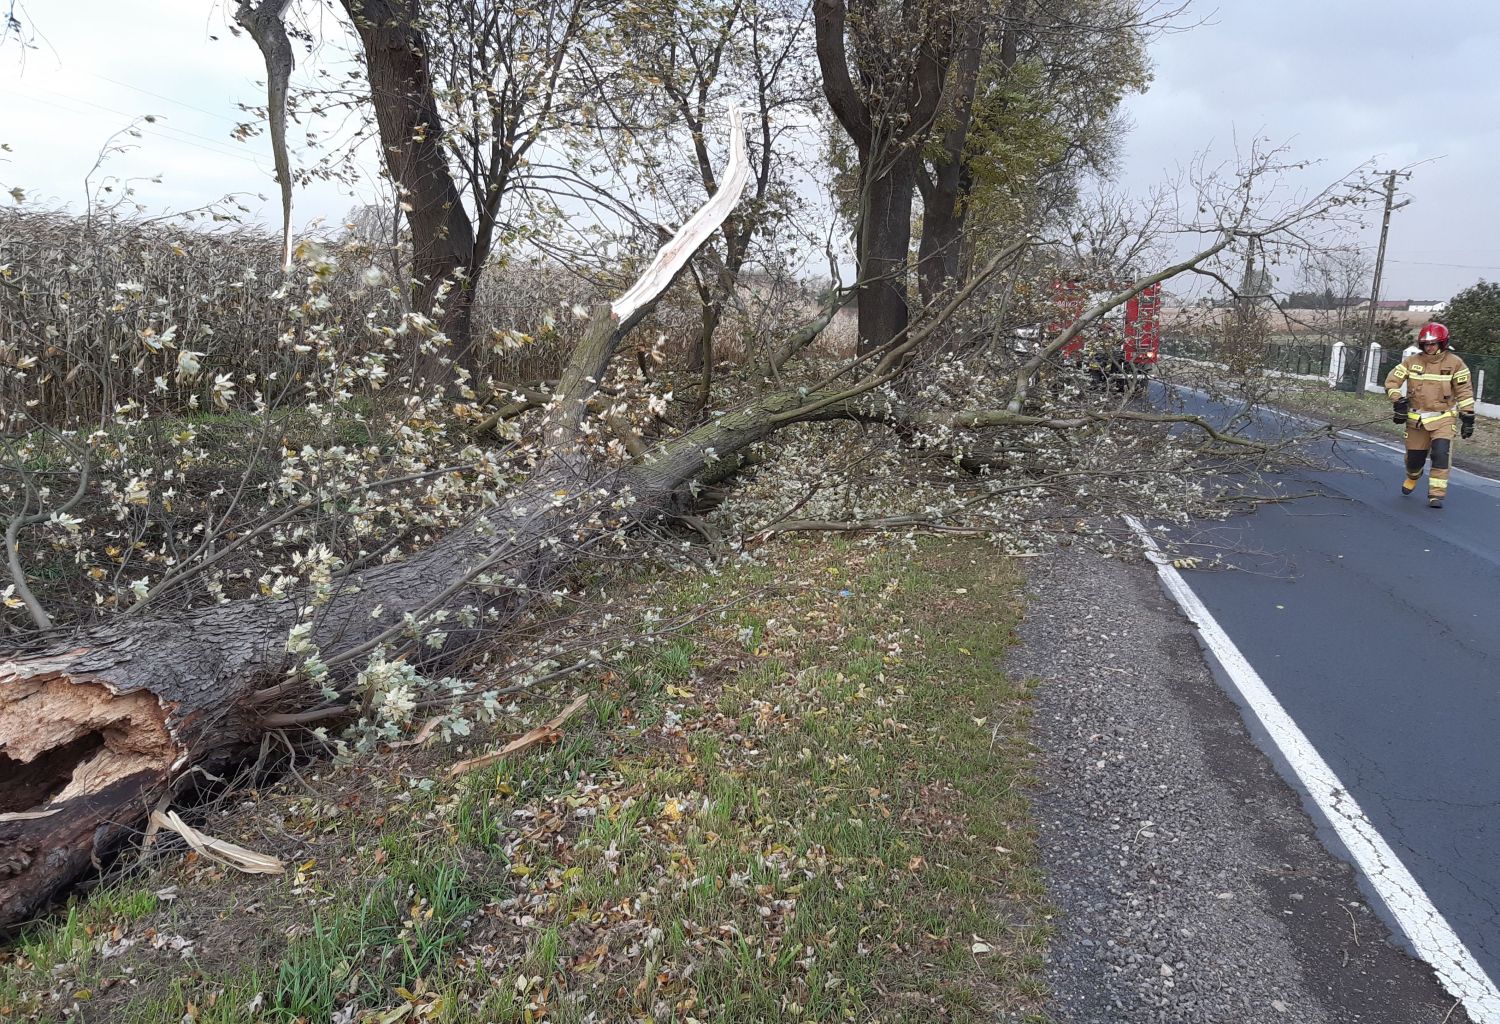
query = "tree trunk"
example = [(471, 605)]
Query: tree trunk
[(939, 255), (887, 117), (703, 360), (946, 187), (97, 726), (884, 243), (412, 139)]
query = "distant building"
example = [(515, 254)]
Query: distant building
[(1402, 305)]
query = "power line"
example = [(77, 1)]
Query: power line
[(153, 127), (1455, 266), (157, 95)]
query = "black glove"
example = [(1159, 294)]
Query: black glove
[(1466, 424), (1398, 414)]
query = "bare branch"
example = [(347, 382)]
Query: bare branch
[(20, 521), (266, 27)]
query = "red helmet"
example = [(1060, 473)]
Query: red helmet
[(1434, 332)]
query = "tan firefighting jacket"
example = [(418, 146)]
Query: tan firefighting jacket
[(1438, 389)]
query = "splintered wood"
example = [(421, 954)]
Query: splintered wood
[(65, 738)]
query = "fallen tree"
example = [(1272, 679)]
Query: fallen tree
[(98, 727), (101, 725)]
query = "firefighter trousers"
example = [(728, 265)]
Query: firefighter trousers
[(1436, 440)]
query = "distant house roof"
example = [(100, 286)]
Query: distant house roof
[(1401, 304)]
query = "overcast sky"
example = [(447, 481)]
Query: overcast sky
[(1341, 81), (1344, 81)]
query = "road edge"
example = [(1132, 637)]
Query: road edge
[(1425, 928)]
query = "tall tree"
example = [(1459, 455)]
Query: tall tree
[(461, 93), (1031, 103), (885, 66)]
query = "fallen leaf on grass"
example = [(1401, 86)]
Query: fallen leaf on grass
[(423, 734)]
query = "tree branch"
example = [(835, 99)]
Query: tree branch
[(265, 25), (13, 530)]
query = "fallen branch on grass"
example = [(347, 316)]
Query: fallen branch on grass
[(542, 735)]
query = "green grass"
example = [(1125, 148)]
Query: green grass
[(810, 807), (815, 878), (1372, 414)]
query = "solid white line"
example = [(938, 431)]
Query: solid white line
[(1427, 930)]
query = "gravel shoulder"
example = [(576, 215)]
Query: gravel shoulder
[(1190, 883)]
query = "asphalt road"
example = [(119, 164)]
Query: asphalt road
[(1375, 621)]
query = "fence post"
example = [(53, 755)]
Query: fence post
[(1372, 368), (1336, 364), (1479, 387)]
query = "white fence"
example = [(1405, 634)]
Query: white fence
[(1337, 362)]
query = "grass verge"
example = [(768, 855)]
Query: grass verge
[(807, 806), (1371, 414)]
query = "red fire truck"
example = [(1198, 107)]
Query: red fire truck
[(1120, 346)]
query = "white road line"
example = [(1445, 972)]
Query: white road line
[(1428, 931)]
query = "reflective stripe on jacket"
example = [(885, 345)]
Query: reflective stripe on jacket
[(1433, 386)]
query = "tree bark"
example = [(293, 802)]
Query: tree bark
[(947, 185), (945, 188), (412, 140), (884, 244)]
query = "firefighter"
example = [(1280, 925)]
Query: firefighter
[(1438, 391)]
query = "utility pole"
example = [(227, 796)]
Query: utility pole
[(1385, 228), (1247, 282)]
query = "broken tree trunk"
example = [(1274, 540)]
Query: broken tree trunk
[(98, 725)]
